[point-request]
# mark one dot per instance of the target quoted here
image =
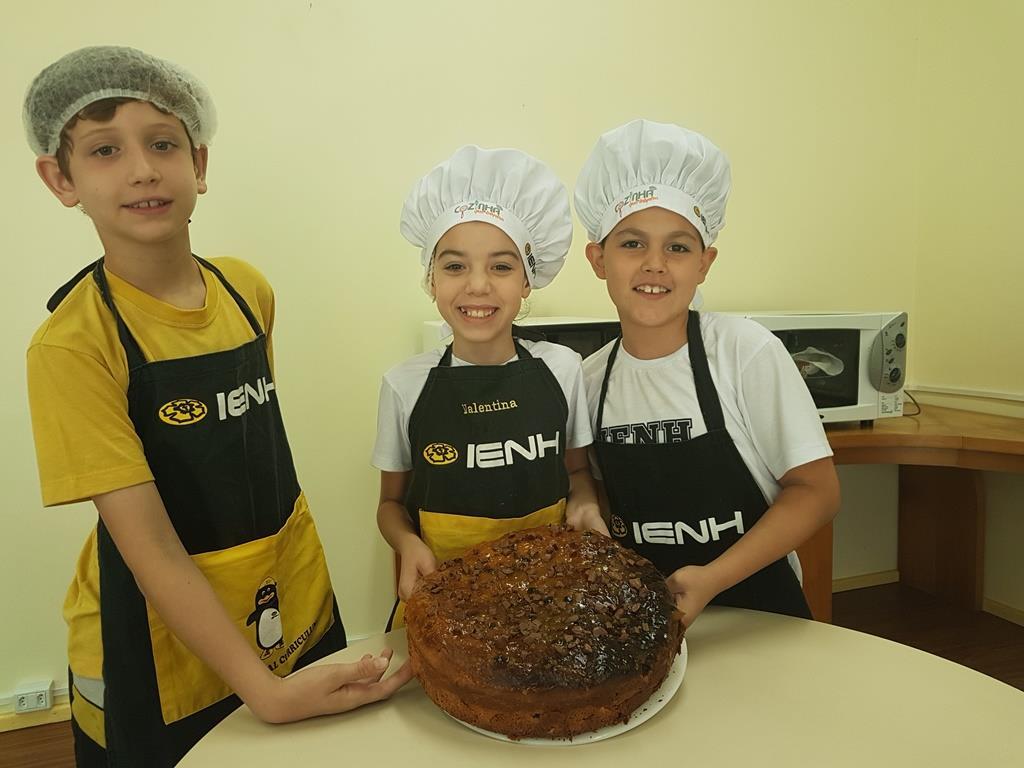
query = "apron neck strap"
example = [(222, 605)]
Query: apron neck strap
[(131, 347), (242, 305), (446, 357), (707, 396)]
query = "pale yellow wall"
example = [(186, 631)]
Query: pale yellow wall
[(329, 111), (971, 270)]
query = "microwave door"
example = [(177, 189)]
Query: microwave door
[(828, 361)]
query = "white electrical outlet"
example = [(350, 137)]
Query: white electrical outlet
[(33, 697)]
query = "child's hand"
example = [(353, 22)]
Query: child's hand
[(693, 589), (330, 688), (585, 517), (417, 561)]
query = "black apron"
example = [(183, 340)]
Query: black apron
[(488, 453), (686, 503), (214, 439)]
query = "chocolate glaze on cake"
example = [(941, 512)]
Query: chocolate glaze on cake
[(547, 632)]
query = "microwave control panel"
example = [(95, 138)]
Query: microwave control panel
[(887, 361)]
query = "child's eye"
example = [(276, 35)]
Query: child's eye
[(105, 151), (679, 248), (632, 244), (452, 266), (500, 267), (163, 146)]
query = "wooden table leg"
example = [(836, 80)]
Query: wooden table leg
[(816, 561), (942, 532)]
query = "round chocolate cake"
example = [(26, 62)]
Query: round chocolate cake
[(547, 632)]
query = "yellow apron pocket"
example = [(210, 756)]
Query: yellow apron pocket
[(449, 536), (277, 591)]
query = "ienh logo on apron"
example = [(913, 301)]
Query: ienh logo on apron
[(500, 453), (182, 412)]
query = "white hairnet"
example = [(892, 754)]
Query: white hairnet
[(87, 75)]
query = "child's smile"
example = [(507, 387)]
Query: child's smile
[(149, 206), (477, 312), (479, 283), (652, 290), (653, 262)]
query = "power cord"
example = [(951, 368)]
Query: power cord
[(918, 411)]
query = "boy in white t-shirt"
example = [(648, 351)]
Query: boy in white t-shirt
[(712, 456), (489, 435)]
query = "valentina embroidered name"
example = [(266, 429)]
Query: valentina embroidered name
[(496, 405)]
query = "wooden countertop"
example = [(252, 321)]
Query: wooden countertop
[(936, 437)]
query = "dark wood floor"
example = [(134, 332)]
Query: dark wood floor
[(978, 640)]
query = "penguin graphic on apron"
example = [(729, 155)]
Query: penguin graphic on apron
[(267, 618)]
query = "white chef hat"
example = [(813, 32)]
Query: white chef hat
[(644, 164), (88, 75), (504, 187)]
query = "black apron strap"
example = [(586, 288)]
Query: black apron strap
[(64, 290), (446, 357), (604, 386), (131, 347), (257, 329), (707, 395)]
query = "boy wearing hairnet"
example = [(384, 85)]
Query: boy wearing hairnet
[(490, 434), (152, 394), (710, 450)]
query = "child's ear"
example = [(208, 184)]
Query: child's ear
[(706, 260), (200, 160), (55, 180), (526, 288), (595, 255)]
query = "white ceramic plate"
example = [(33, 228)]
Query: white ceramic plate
[(641, 714)]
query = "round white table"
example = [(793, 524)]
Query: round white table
[(759, 689)]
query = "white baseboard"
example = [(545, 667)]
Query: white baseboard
[(1008, 612), (865, 580), (58, 713)]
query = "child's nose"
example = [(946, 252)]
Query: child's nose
[(654, 261), (142, 169), (479, 281)]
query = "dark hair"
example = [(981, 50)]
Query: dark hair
[(101, 111)]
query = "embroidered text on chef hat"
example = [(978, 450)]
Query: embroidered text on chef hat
[(645, 164), (505, 187)]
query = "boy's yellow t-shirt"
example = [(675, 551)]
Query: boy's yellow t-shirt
[(78, 383), (78, 373)]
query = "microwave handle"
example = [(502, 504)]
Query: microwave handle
[(887, 359)]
